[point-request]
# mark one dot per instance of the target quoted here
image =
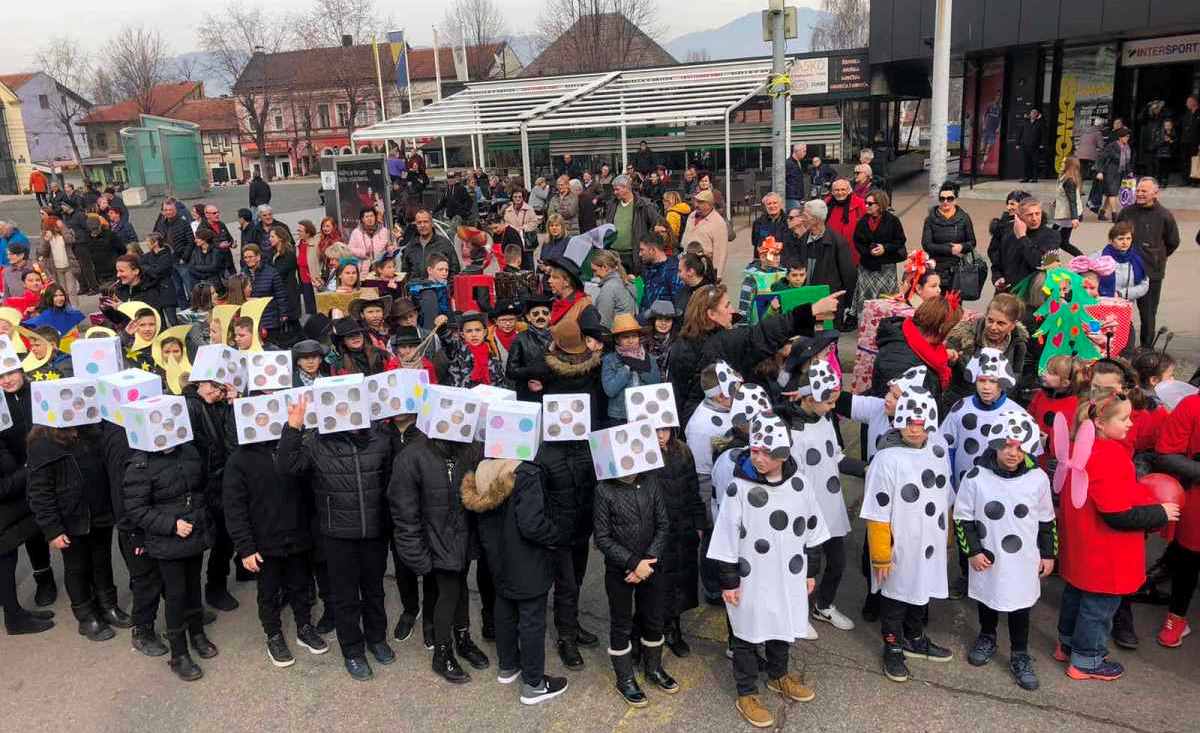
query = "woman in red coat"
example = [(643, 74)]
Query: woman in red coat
[(1178, 446), (1103, 556)]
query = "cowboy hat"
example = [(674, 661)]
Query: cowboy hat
[(625, 323), (344, 327), (369, 298), (567, 337), (407, 336)]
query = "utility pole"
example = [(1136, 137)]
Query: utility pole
[(940, 104), (780, 101)]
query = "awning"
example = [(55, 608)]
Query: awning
[(274, 147)]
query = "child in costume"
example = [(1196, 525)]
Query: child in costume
[(711, 419), (905, 502), (767, 538), (1057, 394), (472, 360), (1178, 448), (1004, 524)]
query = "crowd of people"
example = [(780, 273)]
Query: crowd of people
[(547, 382)]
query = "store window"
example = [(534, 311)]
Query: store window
[(1084, 95)]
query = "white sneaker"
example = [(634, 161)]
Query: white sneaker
[(812, 634), (833, 616)]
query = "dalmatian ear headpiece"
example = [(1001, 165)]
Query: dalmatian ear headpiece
[(916, 403), (749, 401), (769, 433), (989, 362), (822, 381), (914, 377), (727, 379), (1019, 426)]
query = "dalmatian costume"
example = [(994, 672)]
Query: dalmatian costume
[(765, 530), (749, 401), (971, 424), (1006, 512), (909, 488), (708, 422), (873, 412), (817, 453)]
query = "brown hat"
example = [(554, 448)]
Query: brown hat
[(567, 337), (705, 196), (625, 323)]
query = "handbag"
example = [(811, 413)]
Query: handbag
[(969, 276)]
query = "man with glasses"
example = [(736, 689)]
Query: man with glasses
[(222, 239)]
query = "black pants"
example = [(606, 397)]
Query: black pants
[(521, 636), (899, 620), (406, 583), (87, 570), (1148, 310), (1185, 569), (39, 553), (569, 569), (1030, 158), (448, 606), (1018, 626), (286, 579), (145, 582), (625, 600), (834, 551), (1162, 171), (8, 582), (309, 297), (181, 586), (321, 576), (356, 569), (487, 590), (42, 198), (709, 570), (221, 554), (745, 662), (87, 269)]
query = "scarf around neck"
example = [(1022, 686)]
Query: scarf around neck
[(505, 338), (934, 357), (560, 306), (844, 205), (1131, 257), (480, 357)]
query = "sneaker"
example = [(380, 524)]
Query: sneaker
[(1106, 671), (923, 648), (811, 634), (382, 652), (278, 652), (833, 616), (958, 588), (307, 637), (359, 668), (405, 626), (585, 638), (507, 676), (1021, 666), (755, 713), (1173, 630), (427, 636), (791, 688), (1125, 637), (568, 652), (982, 650), (550, 688), (894, 666), (1062, 653)]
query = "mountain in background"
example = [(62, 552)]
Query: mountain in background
[(742, 38)]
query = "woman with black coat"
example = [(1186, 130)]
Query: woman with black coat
[(688, 517), (880, 241), (17, 525), (433, 537), (349, 474), (209, 411), (165, 498), (69, 496), (283, 259), (948, 233)]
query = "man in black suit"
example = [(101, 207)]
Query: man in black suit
[(1032, 135)]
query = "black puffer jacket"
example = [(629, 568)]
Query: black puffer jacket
[(1021, 256), (349, 473), (525, 362), (114, 446), (161, 488), (896, 357), (425, 495), (508, 504), (210, 436), (687, 516), (631, 521), (21, 410), (570, 488), (265, 512), (940, 233), (68, 485), (570, 374), (16, 520)]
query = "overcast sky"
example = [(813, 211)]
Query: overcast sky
[(92, 23)]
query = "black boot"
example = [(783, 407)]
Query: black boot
[(487, 629), (468, 651), (675, 641), (47, 590), (568, 652), (90, 624), (21, 621), (205, 649), (181, 661), (653, 670), (112, 613), (325, 624), (585, 638), (219, 598), (626, 683), (446, 665), (145, 640)]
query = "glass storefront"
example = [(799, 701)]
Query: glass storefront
[(1085, 95)]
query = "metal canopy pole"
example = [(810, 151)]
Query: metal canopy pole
[(624, 141), (728, 174), (525, 170), (474, 160)]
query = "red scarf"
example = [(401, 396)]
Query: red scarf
[(873, 222), (560, 306), (505, 337), (480, 355), (934, 356)]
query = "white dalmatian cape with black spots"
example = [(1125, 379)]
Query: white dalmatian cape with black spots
[(764, 530), (910, 489), (817, 455), (969, 428), (1006, 512)]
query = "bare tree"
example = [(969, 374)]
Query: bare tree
[(64, 60), (480, 23), (137, 59), (103, 89), (186, 67), (847, 26), (233, 35), (596, 35), (326, 21), (698, 55)]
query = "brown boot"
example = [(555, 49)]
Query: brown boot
[(753, 711), (791, 688)]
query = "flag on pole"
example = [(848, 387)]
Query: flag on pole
[(398, 48)]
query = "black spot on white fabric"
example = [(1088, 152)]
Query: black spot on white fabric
[(741, 531), (779, 520), (949, 439), (829, 448), (981, 530), (834, 484), (930, 508), (1020, 511), (927, 478), (717, 421), (1011, 543), (731, 490), (812, 522), (973, 472), (939, 451), (812, 457), (798, 526), (882, 499), (797, 483), (796, 564), (985, 429), (971, 446), (941, 482), (969, 421), (956, 405), (762, 547), (910, 493), (743, 567), (993, 510), (942, 520), (928, 551), (757, 497)]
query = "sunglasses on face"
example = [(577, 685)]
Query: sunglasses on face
[(946, 198), (870, 202)]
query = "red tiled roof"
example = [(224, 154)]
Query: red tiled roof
[(209, 114), (480, 60), (15, 81), (164, 98)]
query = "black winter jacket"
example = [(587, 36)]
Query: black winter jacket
[(265, 512), (687, 515), (525, 362), (1155, 234), (425, 495), (68, 485), (114, 446), (896, 357), (570, 488), (177, 234), (212, 440), (16, 519), (889, 233), (158, 269), (412, 260), (568, 374), (260, 192), (285, 265), (104, 251), (828, 261), (998, 229), (265, 282), (939, 233), (1020, 257), (21, 410), (349, 473), (508, 505), (631, 521), (795, 182), (206, 266), (161, 488)]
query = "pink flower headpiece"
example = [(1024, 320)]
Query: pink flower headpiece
[(1102, 265)]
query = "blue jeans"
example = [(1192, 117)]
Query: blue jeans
[(184, 282), (1084, 624)]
